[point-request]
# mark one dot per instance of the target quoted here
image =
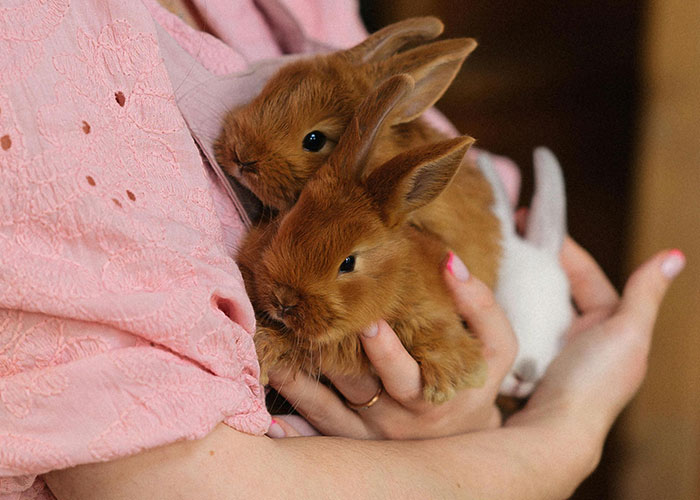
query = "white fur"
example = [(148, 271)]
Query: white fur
[(532, 287)]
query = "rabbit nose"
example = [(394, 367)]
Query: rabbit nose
[(242, 163), (247, 166), (286, 301), (286, 310), (526, 371)]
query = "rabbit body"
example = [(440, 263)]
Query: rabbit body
[(400, 283)]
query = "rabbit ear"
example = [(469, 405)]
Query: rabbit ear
[(350, 155), (433, 67), (385, 42), (416, 177)]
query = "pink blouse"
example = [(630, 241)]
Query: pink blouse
[(123, 319), (124, 323)]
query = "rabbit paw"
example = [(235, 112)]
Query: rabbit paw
[(271, 348)]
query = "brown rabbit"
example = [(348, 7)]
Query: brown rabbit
[(346, 255), (276, 142)]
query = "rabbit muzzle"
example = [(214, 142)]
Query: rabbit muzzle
[(305, 315), (284, 304)]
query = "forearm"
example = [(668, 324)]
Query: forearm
[(512, 462), (519, 462)]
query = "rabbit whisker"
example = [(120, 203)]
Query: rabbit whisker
[(294, 363)]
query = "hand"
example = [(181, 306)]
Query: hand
[(605, 358), (400, 412)]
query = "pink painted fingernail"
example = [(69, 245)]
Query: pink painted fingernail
[(673, 263), (275, 431), (456, 267), (371, 331)]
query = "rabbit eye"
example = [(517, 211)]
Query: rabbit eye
[(348, 265), (314, 141)]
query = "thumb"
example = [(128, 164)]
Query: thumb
[(647, 287)]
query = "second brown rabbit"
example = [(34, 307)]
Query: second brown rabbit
[(346, 254)]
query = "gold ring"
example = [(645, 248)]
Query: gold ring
[(368, 404)]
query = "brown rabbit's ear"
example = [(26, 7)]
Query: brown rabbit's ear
[(350, 155), (387, 41), (433, 67), (416, 177)]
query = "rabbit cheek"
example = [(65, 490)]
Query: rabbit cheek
[(277, 184)]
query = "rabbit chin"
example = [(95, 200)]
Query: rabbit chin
[(269, 195), (243, 181)]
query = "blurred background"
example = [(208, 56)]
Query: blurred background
[(613, 88)]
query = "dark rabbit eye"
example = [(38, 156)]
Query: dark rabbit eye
[(348, 265), (314, 141)]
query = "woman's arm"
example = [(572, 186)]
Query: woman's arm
[(519, 462), (542, 452)]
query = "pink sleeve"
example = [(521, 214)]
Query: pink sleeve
[(336, 24), (123, 319)]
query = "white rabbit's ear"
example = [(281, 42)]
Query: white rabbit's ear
[(433, 67), (416, 177), (546, 225), (349, 157), (387, 41)]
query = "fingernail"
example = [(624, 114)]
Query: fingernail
[(371, 331), (673, 263), (456, 267), (275, 431)]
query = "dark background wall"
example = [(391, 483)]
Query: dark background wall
[(561, 74)]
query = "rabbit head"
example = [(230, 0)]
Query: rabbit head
[(273, 144), (340, 257)]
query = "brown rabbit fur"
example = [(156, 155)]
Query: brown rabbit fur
[(346, 255), (261, 144)]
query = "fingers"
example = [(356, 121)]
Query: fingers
[(279, 429), (290, 426), (318, 404), (398, 371), (647, 286), (477, 306), (357, 390), (590, 287)]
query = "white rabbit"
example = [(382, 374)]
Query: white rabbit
[(532, 287)]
